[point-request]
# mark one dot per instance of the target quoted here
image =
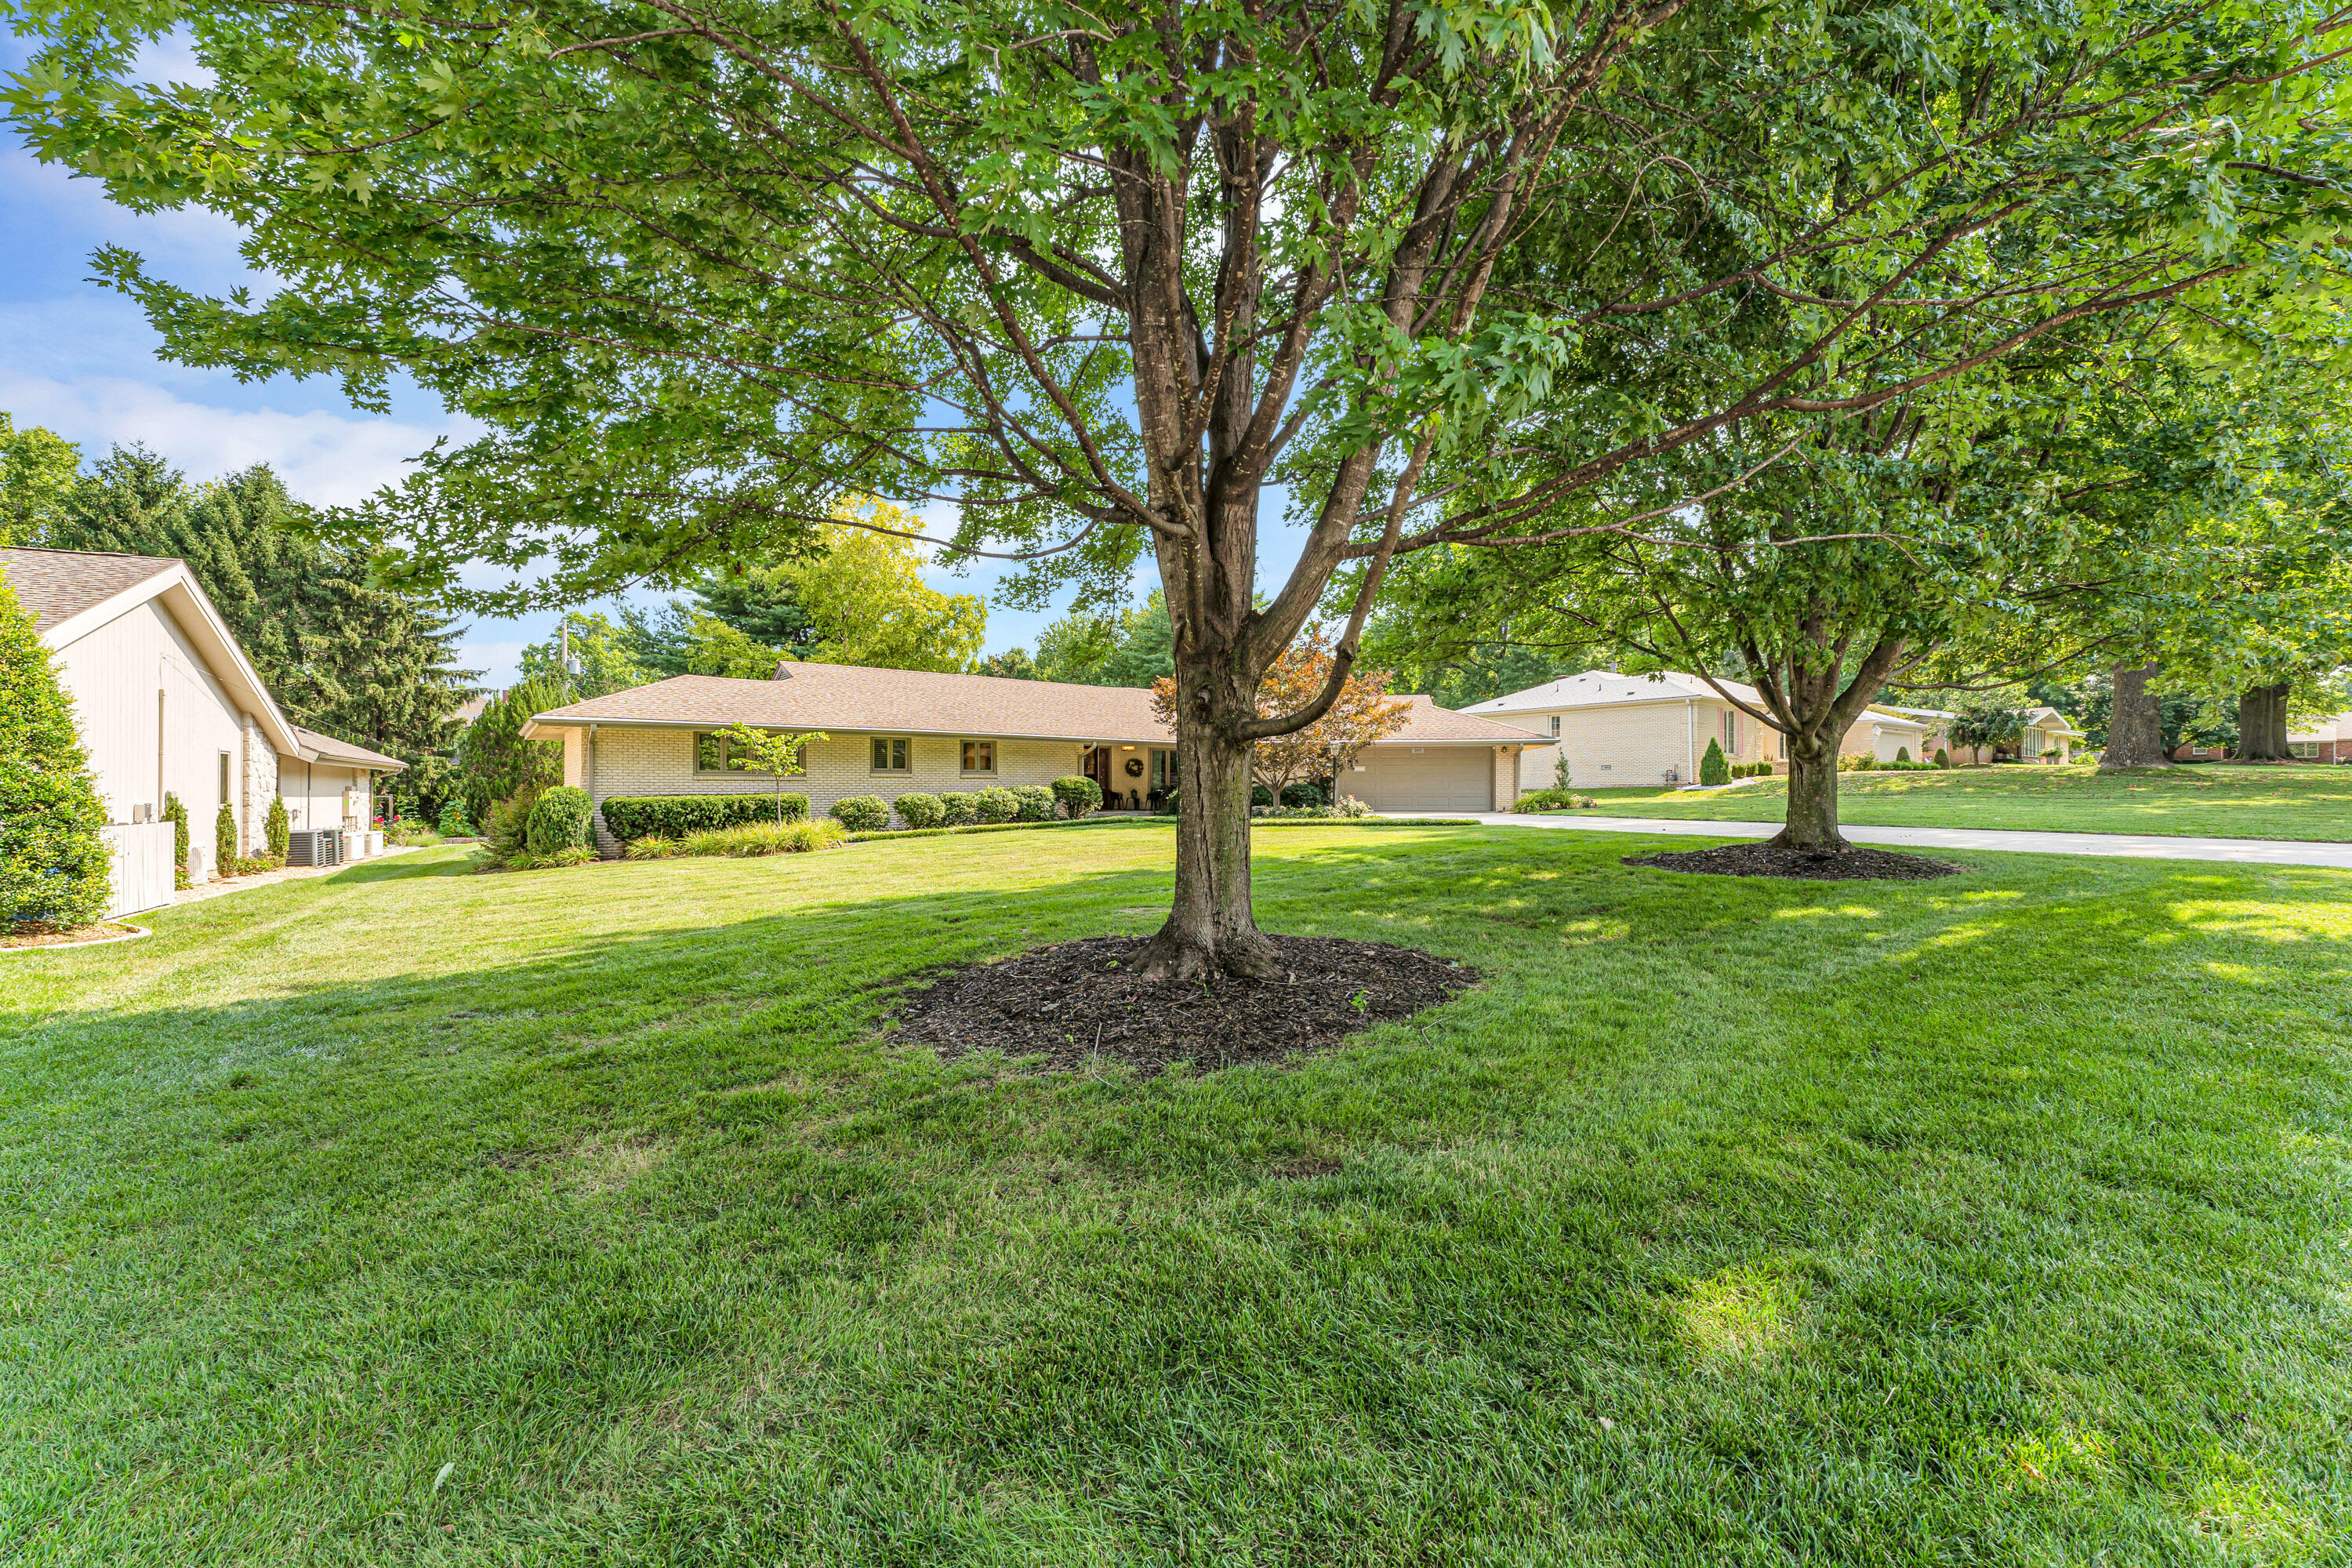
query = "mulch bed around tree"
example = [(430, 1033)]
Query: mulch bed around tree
[(1085, 1004), (1856, 864)]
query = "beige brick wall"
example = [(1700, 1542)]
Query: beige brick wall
[(661, 762)]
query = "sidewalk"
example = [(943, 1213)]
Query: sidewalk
[(2136, 846)]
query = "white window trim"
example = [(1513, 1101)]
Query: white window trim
[(907, 771), (995, 760)]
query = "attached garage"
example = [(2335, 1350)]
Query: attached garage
[(1403, 777)]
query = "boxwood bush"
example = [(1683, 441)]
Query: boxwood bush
[(862, 813), (559, 820), (997, 804), (920, 810), (1078, 794), (675, 816), (959, 810), (1033, 803)]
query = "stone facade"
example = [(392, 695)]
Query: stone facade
[(260, 773)]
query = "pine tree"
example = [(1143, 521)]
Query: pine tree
[(1713, 769), (54, 861)]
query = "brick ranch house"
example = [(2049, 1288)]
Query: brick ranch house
[(894, 731), (2328, 739)]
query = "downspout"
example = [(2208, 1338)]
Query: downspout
[(1690, 739)]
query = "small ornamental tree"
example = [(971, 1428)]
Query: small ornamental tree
[(777, 753), (1713, 769), (1983, 725), (225, 845), (54, 862), (1362, 713), (276, 831)]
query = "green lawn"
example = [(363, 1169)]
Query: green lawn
[(584, 1216), (2220, 800)]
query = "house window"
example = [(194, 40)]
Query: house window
[(2303, 749), (891, 754), (1555, 723), (1164, 771), (223, 778), (711, 755), (1731, 730), (979, 756)]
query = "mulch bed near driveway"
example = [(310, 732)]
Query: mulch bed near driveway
[(1856, 864), (1083, 1004)]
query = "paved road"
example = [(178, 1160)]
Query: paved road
[(2139, 845)]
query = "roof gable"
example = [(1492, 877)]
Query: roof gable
[(56, 585), (1607, 688)]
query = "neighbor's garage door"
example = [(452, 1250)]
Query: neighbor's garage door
[(1434, 778)]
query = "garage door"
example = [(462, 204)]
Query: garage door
[(1438, 778)]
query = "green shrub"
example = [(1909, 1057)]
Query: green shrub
[(54, 860), (997, 804), (1033, 803), (633, 816), (453, 823), (742, 841), (413, 836), (959, 810), (505, 828), (1304, 795), (225, 845), (276, 832), (860, 813), (559, 820), (1713, 769), (254, 865), (1261, 795), (177, 816), (1857, 762), (1554, 800), (1168, 802), (920, 810), (1078, 794), (1943, 758), (1902, 753)]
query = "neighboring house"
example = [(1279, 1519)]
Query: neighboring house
[(2328, 740), (1622, 731), (169, 704), (2049, 736), (895, 732), (1888, 735)]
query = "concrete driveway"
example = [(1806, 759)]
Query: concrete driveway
[(2136, 846)]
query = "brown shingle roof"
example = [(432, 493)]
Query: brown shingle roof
[(350, 754), (846, 696), (59, 585)]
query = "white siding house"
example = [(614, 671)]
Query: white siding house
[(1631, 730), (168, 704)]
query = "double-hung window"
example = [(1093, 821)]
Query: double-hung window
[(979, 756), (890, 755)]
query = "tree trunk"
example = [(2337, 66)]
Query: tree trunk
[(2135, 725), (1210, 929), (2262, 724), (1811, 823)]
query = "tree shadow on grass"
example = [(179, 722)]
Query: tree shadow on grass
[(656, 1237)]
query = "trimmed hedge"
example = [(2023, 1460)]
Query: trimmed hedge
[(559, 821), (961, 810), (997, 804), (862, 813), (628, 816), (1078, 794), (920, 810), (1033, 803)]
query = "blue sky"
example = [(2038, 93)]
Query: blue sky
[(82, 361)]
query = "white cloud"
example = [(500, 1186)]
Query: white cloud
[(325, 458)]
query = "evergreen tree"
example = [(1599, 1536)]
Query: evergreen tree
[(495, 763), (368, 664), (54, 863)]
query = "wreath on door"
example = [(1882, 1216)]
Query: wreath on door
[(1134, 767)]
